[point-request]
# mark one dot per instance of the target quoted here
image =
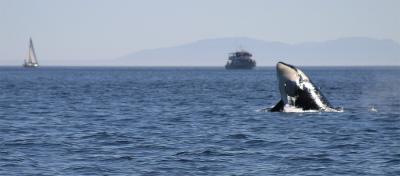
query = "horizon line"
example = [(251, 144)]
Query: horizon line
[(199, 66)]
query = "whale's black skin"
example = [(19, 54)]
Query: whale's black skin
[(298, 90)]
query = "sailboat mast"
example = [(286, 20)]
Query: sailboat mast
[(29, 52), (31, 47)]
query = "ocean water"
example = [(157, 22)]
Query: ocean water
[(194, 121)]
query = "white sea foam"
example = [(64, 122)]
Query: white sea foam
[(293, 109), (372, 109)]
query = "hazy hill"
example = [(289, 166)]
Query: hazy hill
[(213, 52)]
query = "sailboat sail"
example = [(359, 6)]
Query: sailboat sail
[(32, 59)]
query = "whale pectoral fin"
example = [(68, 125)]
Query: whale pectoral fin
[(278, 107)]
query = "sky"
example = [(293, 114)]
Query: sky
[(84, 32)]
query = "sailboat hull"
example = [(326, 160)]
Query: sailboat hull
[(28, 65)]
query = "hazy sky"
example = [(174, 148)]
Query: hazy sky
[(66, 31)]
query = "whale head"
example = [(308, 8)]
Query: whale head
[(290, 78)]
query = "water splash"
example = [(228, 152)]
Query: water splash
[(293, 109), (372, 109)]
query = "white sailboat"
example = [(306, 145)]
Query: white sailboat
[(31, 62)]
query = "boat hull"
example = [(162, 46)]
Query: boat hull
[(235, 67), (242, 65), (31, 65)]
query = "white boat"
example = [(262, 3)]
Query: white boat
[(240, 60), (31, 62)]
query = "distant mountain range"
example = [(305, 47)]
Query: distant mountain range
[(214, 52)]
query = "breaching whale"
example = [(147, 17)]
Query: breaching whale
[(297, 90)]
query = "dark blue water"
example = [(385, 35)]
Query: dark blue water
[(194, 121)]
